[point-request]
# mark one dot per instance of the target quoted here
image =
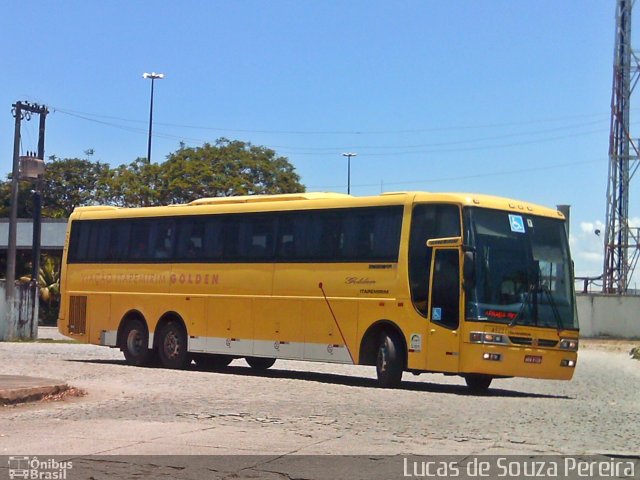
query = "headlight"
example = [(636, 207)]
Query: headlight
[(476, 337), (569, 344), (491, 338)]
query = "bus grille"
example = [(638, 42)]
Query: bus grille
[(540, 342), (78, 315)]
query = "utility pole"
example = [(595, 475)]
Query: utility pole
[(622, 243), (13, 212), (37, 205), (22, 111)]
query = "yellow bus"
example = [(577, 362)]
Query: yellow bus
[(460, 284)]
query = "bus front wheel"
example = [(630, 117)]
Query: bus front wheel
[(172, 346), (478, 383), (389, 364), (135, 342), (260, 363)]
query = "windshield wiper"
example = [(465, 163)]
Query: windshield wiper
[(535, 288), (554, 306), (527, 301)]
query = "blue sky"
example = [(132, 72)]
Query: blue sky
[(502, 97)]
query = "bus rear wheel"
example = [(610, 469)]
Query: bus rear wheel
[(172, 346), (478, 383), (260, 363), (212, 362), (389, 364), (135, 343)]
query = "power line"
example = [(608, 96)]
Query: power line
[(340, 132), (464, 177), (454, 142), (463, 149), (429, 151), (394, 150), (131, 129)]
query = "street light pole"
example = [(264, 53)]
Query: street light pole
[(349, 155), (153, 76)]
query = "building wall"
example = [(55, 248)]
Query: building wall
[(609, 316), (52, 233), (19, 319)]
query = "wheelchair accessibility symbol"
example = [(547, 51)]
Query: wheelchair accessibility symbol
[(517, 223)]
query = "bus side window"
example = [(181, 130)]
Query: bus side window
[(331, 236), (190, 239), (300, 237), (355, 227), (162, 235), (230, 237), (248, 238), (118, 240), (286, 247), (79, 241), (139, 247), (100, 233), (385, 234), (213, 239), (259, 243)]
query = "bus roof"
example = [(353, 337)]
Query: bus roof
[(292, 201), (267, 198), (489, 201)]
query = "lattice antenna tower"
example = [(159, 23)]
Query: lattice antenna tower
[(622, 246)]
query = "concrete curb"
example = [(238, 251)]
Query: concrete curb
[(20, 389)]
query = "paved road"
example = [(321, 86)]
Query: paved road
[(307, 408)]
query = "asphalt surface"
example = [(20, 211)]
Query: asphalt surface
[(16, 389), (309, 409)]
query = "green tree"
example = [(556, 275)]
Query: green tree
[(73, 182), (226, 168), (138, 184), (25, 204)]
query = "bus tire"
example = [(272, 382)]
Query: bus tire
[(212, 362), (172, 346), (260, 363), (478, 383), (135, 343), (389, 362)]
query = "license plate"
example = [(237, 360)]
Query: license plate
[(532, 359)]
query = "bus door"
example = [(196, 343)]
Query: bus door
[(443, 339)]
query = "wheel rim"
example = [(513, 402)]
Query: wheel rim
[(171, 345), (383, 357), (134, 341)]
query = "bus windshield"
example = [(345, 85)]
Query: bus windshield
[(523, 273)]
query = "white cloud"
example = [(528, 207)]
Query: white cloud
[(587, 248), (592, 257), (586, 227)]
